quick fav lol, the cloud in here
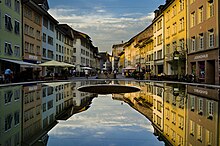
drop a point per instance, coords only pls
(104, 28)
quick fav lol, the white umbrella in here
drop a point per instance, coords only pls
(54, 63)
(67, 64)
(86, 68)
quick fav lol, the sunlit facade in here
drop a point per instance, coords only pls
(174, 115)
(175, 37)
(158, 31)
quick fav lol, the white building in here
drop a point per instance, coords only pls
(158, 41)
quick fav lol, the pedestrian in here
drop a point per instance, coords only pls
(87, 73)
(8, 75)
(115, 73)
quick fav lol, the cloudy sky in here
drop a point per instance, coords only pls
(107, 22)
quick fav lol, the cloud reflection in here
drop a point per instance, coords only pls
(107, 120)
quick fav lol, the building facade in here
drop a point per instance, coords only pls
(158, 41)
(203, 40)
(175, 37)
(11, 32)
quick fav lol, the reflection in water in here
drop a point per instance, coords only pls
(178, 115)
(29, 111)
(181, 115)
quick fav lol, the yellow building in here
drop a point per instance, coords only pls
(174, 115)
(175, 37)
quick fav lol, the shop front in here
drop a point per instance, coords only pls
(204, 66)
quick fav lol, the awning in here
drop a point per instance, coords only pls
(21, 63)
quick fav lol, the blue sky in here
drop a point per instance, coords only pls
(107, 22)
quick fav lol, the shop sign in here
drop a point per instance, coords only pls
(204, 92)
(203, 56)
(32, 57)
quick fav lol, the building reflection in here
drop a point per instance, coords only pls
(10, 115)
(203, 118)
(29, 112)
(181, 115)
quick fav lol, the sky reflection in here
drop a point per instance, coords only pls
(107, 122)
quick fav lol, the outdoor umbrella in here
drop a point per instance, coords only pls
(86, 68)
(54, 63)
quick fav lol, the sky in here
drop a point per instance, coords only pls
(107, 22)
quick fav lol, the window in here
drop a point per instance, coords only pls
(168, 15)
(210, 110)
(200, 106)
(159, 39)
(192, 102)
(44, 37)
(16, 118)
(8, 49)
(50, 40)
(8, 122)
(17, 27)
(44, 52)
(210, 8)
(49, 104)
(8, 3)
(174, 28)
(181, 5)
(38, 34)
(26, 28)
(17, 6)
(211, 38)
(38, 50)
(28, 13)
(201, 41)
(159, 25)
(31, 49)
(37, 19)
(200, 15)
(45, 22)
(181, 122)
(192, 19)
(17, 51)
(192, 128)
(181, 24)
(199, 133)
(8, 24)
(209, 137)
(31, 31)
(50, 54)
(51, 26)
(181, 44)
(174, 10)
(193, 44)
(173, 115)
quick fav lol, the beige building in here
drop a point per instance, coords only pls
(202, 116)
(203, 40)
